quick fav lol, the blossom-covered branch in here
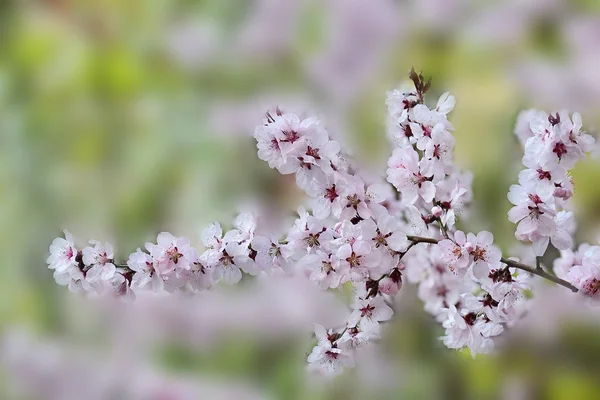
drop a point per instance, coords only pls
(360, 227)
(511, 263)
(170, 264)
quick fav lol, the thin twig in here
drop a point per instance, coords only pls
(511, 263)
(443, 228)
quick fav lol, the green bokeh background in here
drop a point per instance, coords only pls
(103, 133)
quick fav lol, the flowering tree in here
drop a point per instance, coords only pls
(368, 234)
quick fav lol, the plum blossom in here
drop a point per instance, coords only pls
(212, 236)
(63, 253)
(439, 149)
(145, 273)
(100, 259)
(453, 206)
(553, 144)
(386, 233)
(271, 254)
(326, 357)
(74, 278)
(424, 121)
(323, 268)
(569, 258)
(358, 201)
(534, 215)
(356, 337)
(280, 139)
(368, 313)
(582, 269)
(410, 176)
(356, 261)
(307, 234)
(466, 329)
(454, 253)
(484, 255)
(173, 255)
(330, 196)
(399, 103)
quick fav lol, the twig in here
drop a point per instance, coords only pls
(511, 263)
(443, 228)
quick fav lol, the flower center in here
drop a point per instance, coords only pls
(470, 318)
(312, 240)
(543, 174)
(174, 254)
(591, 286)
(380, 239)
(331, 193)
(367, 311)
(353, 260)
(327, 267)
(560, 149)
(274, 251)
(426, 131)
(478, 254)
(290, 136)
(535, 199)
(353, 201)
(488, 301)
(314, 153)
(68, 253)
(226, 259)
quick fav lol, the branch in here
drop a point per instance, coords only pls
(510, 263)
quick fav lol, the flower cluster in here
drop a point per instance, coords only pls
(582, 269)
(461, 279)
(357, 234)
(480, 314)
(349, 238)
(553, 145)
(421, 167)
(365, 234)
(168, 265)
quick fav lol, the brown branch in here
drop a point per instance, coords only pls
(511, 263)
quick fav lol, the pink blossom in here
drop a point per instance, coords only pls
(406, 174)
(63, 253)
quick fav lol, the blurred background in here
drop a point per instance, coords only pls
(121, 119)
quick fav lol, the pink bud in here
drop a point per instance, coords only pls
(559, 192)
(437, 211)
(388, 286)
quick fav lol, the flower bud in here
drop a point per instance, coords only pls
(388, 286)
(560, 192)
(437, 211)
